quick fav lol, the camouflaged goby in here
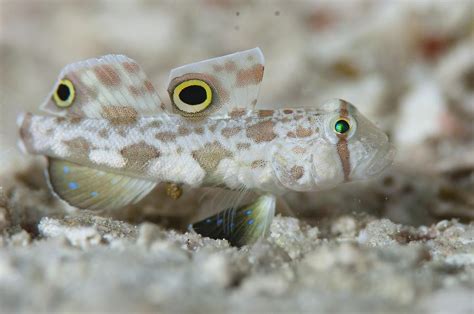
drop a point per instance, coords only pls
(109, 139)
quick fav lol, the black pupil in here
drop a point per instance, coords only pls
(342, 126)
(193, 95)
(63, 92)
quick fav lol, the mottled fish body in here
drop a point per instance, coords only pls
(109, 139)
(235, 151)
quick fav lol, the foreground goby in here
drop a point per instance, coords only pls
(109, 139)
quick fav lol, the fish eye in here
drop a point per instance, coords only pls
(64, 94)
(342, 126)
(192, 96)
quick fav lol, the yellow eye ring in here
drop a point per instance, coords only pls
(192, 96)
(64, 94)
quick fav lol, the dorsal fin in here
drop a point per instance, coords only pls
(111, 85)
(217, 86)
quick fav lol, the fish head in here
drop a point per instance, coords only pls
(347, 147)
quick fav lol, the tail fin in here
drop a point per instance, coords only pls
(88, 188)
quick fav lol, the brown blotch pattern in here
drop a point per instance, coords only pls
(183, 131)
(76, 120)
(136, 155)
(237, 113)
(79, 147)
(217, 68)
(299, 150)
(287, 111)
(228, 132)
(107, 75)
(262, 131)
(258, 164)
(250, 76)
(131, 67)
(243, 146)
(230, 66)
(120, 114)
(154, 124)
(122, 130)
(59, 120)
(210, 155)
(199, 130)
(166, 136)
(265, 113)
(303, 132)
(134, 91)
(291, 134)
(298, 117)
(149, 86)
(213, 127)
(104, 133)
(297, 172)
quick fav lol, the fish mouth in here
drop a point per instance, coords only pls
(381, 160)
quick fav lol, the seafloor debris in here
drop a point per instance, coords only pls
(296, 267)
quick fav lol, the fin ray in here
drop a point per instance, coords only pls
(234, 80)
(240, 226)
(111, 80)
(88, 188)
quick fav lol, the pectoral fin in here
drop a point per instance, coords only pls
(240, 226)
(93, 189)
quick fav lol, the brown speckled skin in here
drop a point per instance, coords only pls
(267, 150)
(161, 148)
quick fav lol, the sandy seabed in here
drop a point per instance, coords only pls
(402, 243)
(353, 264)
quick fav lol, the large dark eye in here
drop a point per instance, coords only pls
(342, 126)
(64, 94)
(192, 96)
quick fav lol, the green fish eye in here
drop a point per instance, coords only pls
(342, 126)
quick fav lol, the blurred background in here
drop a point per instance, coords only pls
(407, 65)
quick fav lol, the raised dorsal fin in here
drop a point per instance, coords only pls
(113, 86)
(217, 86)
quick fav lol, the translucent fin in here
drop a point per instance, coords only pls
(94, 87)
(241, 226)
(87, 188)
(233, 79)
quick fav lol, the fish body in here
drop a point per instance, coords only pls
(109, 139)
(267, 150)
